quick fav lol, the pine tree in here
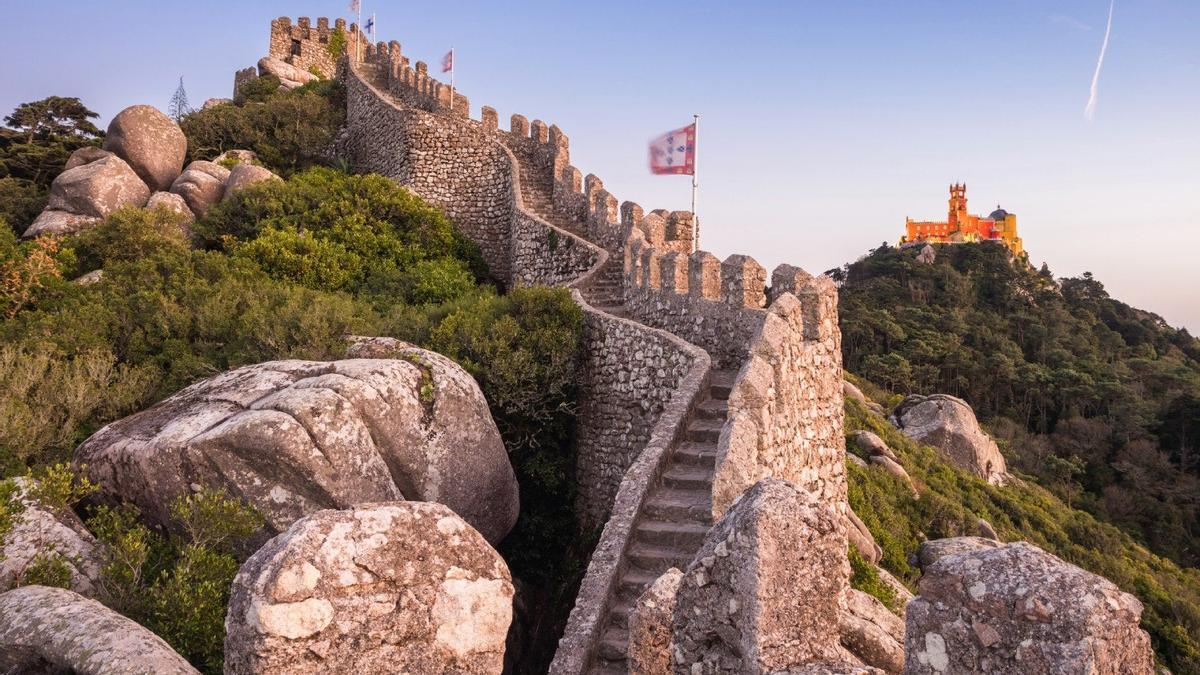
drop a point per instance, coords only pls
(179, 103)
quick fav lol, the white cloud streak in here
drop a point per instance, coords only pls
(1089, 111)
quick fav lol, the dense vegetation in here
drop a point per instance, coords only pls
(33, 149)
(952, 500)
(1098, 400)
(284, 270)
(289, 130)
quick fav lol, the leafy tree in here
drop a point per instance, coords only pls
(54, 117)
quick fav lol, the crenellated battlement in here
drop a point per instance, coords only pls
(660, 317)
(311, 47)
(412, 83)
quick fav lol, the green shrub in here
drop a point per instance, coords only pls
(177, 587)
(289, 130)
(364, 235)
(865, 577)
(21, 200)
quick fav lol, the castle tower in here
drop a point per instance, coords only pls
(958, 203)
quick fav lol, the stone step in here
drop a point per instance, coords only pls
(721, 383)
(702, 454)
(606, 667)
(658, 558)
(680, 505)
(633, 582)
(613, 644)
(713, 409)
(687, 534)
(704, 430)
(619, 613)
(690, 476)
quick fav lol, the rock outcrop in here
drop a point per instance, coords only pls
(650, 626)
(893, 467)
(53, 630)
(174, 203)
(82, 196)
(294, 437)
(948, 424)
(936, 549)
(861, 538)
(150, 142)
(1016, 609)
(383, 588)
(870, 443)
(289, 76)
(872, 633)
(236, 157)
(85, 155)
(741, 607)
(243, 175)
(39, 530)
(201, 185)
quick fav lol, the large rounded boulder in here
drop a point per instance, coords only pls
(83, 195)
(151, 142)
(39, 530)
(53, 630)
(295, 437)
(383, 588)
(949, 425)
(1015, 608)
(201, 185)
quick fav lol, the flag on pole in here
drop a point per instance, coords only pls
(355, 6)
(370, 27)
(448, 62)
(674, 152)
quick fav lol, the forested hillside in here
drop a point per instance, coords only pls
(1097, 400)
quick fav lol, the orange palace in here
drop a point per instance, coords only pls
(962, 227)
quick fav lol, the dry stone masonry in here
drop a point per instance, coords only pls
(669, 333)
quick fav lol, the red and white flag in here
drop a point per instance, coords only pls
(448, 62)
(674, 152)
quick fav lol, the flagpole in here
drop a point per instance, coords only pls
(453, 67)
(695, 180)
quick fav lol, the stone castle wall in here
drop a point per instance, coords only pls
(642, 376)
(306, 46)
(449, 162)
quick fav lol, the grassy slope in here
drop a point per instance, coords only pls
(952, 500)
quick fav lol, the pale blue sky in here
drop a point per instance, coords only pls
(824, 124)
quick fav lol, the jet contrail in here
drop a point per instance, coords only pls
(1090, 110)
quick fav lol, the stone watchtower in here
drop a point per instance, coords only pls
(314, 49)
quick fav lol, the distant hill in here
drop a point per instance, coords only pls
(1096, 400)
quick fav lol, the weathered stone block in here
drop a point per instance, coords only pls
(704, 276)
(1017, 609)
(743, 281)
(763, 592)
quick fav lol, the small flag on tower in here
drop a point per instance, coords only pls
(448, 61)
(674, 152)
(370, 27)
(355, 6)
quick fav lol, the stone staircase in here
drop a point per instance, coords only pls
(678, 511)
(669, 530)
